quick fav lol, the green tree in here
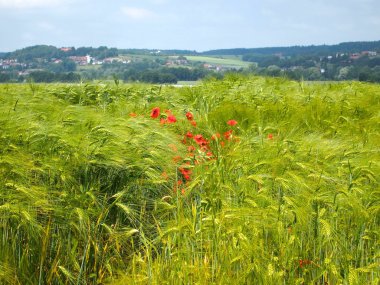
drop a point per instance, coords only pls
(5, 77)
(273, 70)
(42, 76)
(343, 73)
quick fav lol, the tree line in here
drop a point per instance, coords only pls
(308, 67)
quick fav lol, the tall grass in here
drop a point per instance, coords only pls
(90, 193)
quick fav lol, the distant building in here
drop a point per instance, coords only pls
(113, 59)
(81, 60)
(355, 56)
(66, 49)
(369, 53)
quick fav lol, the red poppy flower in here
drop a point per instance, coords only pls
(189, 135)
(132, 115)
(200, 140)
(303, 262)
(189, 116)
(171, 119)
(228, 135)
(163, 121)
(155, 112)
(194, 123)
(185, 172)
(270, 136)
(232, 122)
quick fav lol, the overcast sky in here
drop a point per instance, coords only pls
(194, 24)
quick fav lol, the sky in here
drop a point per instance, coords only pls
(199, 25)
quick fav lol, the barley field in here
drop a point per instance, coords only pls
(245, 180)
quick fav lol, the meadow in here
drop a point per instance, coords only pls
(226, 61)
(245, 180)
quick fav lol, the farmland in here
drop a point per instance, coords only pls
(245, 180)
(230, 62)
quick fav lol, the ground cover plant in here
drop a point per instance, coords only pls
(246, 180)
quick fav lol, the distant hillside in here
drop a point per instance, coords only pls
(47, 52)
(348, 47)
(29, 53)
(45, 63)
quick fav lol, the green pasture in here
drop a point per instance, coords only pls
(227, 62)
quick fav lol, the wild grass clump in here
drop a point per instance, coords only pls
(247, 180)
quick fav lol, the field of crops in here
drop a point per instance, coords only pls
(230, 62)
(248, 180)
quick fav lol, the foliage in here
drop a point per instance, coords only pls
(47, 52)
(246, 180)
(301, 50)
(46, 76)
(316, 63)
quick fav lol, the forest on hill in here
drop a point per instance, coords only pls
(347, 47)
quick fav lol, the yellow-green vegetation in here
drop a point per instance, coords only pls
(256, 181)
(227, 62)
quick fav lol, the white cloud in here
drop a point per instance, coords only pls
(137, 13)
(24, 4)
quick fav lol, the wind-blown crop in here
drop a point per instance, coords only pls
(247, 180)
